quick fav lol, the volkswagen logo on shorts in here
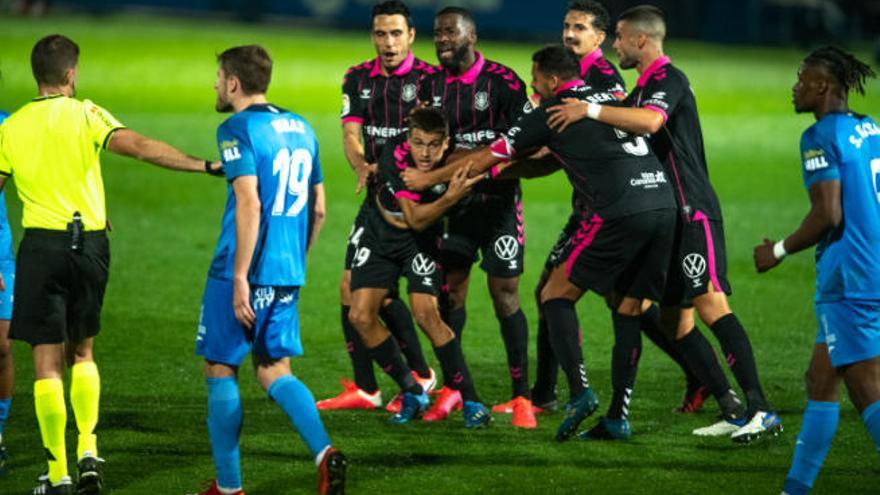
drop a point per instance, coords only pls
(423, 265)
(506, 247)
(694, 265)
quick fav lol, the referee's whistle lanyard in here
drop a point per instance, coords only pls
(75, 229)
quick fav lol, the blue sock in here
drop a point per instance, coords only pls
(224, 426)
(298, 403)
(5, 404)
(871, 417)
(813, 442)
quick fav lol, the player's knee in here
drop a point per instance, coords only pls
(5, 352)
(628, 306)
(821, 385)
(505, 297)
(613, 300)
(711, 307)
(361, 319)
(426, 316)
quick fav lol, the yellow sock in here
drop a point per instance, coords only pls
(52, 416)
(85, 393)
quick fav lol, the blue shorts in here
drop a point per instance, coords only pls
(7, 270)
(851, 330)
(222, 339)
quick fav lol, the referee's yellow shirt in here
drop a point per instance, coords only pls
(51, 148)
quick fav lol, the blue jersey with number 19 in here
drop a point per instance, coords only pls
(846, 147)
(281, 150)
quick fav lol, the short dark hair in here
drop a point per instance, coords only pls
(601, 19)
(850, 72)
(52, 57)
(393, 7)
(647, 19)
(428, 119)
(252, 66)
(466, 15)
(558, 60)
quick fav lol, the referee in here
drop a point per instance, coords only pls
(51, 147)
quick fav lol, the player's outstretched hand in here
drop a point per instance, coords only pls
(764, 258)
(570, 111)
(363, 174)
(415, 179)
(215, 168)
(241, 302)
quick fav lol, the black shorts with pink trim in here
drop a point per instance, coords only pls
(559, 249)
(699, 261)
(385, 254)
(494, 228)
(627, 254)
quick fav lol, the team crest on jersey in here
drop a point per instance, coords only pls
(506, 247)
(408, 93)
(694, 265)
(346, 105)
(481, 101)
(423, 265)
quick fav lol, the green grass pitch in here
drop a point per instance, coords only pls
(156, 75)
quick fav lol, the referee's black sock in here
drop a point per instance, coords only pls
(624, 363)
(653, 329)
(387, 355)
(562, 323)
(738, 352)
(361, 364)
(455, 371)
(400, 323)
(547, 367)
(515, 332)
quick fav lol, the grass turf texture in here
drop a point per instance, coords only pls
(156, 76)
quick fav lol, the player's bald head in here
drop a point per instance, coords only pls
(646, 19)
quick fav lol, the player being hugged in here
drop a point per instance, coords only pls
(841, 171)
(401, 238)
(271, 161)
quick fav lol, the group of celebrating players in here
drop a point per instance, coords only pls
(440, 151)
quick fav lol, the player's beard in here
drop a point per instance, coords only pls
(627, 62)
(455, 62)
(222, 106)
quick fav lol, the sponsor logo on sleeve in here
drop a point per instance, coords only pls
(229, 150)
(346, 105)
(814, 160)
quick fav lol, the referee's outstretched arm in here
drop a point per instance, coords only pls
(129, 143)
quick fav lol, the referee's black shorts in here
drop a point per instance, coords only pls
(59, 291)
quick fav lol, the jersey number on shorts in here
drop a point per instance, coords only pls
(294, 169)
(875, 172)
(637, 146)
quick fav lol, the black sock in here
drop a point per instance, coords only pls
(624, 363)
(738, 352)
(515, 332)
(562, 323)
(547, 367)
(455, 371)
(400, 323)
(387, 356)
(650, 324)
(455, 319)
(361, 364)
(698, 352)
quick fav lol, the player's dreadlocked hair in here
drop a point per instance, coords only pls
(849, 71)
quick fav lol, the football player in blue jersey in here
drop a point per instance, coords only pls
(841, 172)
(7, 283)
(270, 157)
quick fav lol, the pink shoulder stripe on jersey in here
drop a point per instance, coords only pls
(589, 59)
(470, 75)
(710, 250)
(401, 70)
(658, 110)
(353, 118)
(574, 83)
(654, 67)
(584, 237)
(407, 195)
